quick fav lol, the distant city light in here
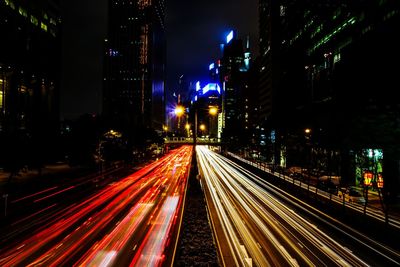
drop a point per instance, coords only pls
(198, 87)
(213, 111)
(179, 110)
(229, 37)
(212, 65)
(211, 87)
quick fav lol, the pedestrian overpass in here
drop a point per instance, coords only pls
(190, 141)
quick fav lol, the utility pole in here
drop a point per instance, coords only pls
(195, 128)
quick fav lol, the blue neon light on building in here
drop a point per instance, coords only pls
(229, 37)
(211, 87)
(212, 66)
(198, 87)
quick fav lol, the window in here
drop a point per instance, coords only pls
(10, 3)
(43, 26)
(22, 12)
(282, 11)
(336, 58)
(34, 21)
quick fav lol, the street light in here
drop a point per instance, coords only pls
(213, 111)
(187, 126)
(179, 111)
(308, 144)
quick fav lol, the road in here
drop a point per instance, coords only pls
(372, 210)
(258, 224)
(130, 222)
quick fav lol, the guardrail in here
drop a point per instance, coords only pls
(369, 211)
(189, 140)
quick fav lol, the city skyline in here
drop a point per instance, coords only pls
(86, 27)
(154, 133)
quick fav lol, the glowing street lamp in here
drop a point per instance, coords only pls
(202, 127)
(307, 131)
(179, 111)
(213, 111)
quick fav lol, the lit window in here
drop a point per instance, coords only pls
(336, 58)
(10, 4)
(43, 26)
(22, 12)
(34, 21)
(282, 11)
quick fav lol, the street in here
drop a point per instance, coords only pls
(261, 224)
(130, 222)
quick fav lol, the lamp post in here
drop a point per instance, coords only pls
(307, 132)
(180, 110)
(195, 128)
(187, 127)
(213, 110)
(213, 121)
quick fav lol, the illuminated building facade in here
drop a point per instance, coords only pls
(207, 97)
(328, 67)
(268, 68)
(29, 68)
(133, 95)
(233, 72)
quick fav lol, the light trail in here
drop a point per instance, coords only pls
(35, 194)
(251, 215)
(96, 231)
(372, 212)
(363, 240)
(151, 251)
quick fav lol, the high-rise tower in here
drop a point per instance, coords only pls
(30, 53)
(134, 76)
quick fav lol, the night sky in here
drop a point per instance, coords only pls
(194, 31)
(196, 28)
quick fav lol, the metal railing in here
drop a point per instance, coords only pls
(373, 212)
(189, 140)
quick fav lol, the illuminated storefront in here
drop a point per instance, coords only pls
(369, 168)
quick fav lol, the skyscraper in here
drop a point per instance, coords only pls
(327, 66)
(133, 95)
(234, 77)
(29, 70)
